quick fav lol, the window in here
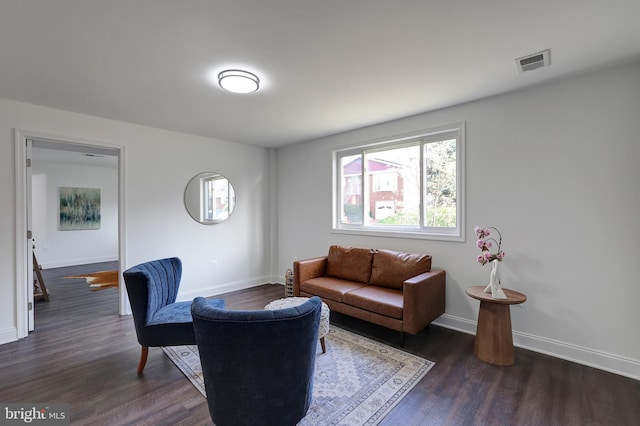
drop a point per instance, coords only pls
(217, 199)
(410, 186)
(385, 181)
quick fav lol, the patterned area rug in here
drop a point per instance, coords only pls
(357, 381)
(99, 280)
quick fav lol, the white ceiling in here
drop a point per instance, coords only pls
(326, 66)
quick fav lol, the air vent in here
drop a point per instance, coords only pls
(532, 62)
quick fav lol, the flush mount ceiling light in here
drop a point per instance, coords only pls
(238, 81)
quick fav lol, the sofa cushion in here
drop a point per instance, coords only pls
(329, 288)
(381, 300)
(391, 268)
(350, 263)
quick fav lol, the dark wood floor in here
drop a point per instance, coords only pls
(84, 354)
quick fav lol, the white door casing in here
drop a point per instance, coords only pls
(29, 236)
(24, 245)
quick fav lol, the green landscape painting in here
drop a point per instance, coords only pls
(79, 208)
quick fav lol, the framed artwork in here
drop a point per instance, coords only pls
(79, 208)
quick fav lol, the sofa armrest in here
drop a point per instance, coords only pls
(423, 300)
(304, 270)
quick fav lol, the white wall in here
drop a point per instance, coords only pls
(555, 168)
(55, 248)
(157, 166)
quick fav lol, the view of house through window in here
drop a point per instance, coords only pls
(411, 185)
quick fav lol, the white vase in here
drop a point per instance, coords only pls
(494, 286)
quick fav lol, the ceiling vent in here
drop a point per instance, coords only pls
(532, 62)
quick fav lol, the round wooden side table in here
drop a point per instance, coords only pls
(494, 338)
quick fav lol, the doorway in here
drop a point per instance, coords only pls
(37, 149)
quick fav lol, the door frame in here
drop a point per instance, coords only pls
(21, 241)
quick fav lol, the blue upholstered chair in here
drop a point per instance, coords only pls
(159, 320)
(258, 365)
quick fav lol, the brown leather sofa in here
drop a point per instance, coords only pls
(392, 289)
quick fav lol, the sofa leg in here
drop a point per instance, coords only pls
(144, 353)
(402, 333)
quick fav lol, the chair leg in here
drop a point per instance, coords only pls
(143, 358)
(324, 348)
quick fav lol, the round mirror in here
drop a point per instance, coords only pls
(209, 198)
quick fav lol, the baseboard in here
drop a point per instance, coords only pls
(8, 335)
(597, 359)
(76, 262)
(224, 288)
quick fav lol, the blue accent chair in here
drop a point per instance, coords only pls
(159, 320)
(257, 365)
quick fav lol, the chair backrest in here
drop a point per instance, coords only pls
(150, 286)
(257, 365)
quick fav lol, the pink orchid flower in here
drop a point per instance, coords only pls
(486, 244)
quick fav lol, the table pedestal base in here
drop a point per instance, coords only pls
(494, 339)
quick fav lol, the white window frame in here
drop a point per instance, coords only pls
(456, 233)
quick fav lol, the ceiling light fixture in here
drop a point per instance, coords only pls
(238, 81)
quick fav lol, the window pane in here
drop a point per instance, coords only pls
(351, 178)
(392, 192)
(440, 188)
(221, 200)
(217, 199)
